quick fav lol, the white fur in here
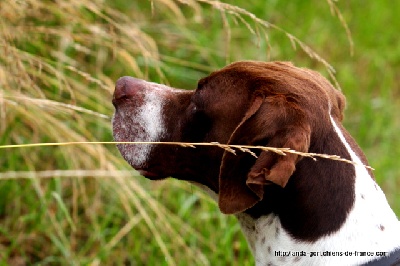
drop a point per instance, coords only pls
(149, 117)
(145, 124)
(361, 232)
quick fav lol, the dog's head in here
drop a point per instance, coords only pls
(248, 103)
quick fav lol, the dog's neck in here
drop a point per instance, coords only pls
(370, 227)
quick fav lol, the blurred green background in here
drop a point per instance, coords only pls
(76, 204)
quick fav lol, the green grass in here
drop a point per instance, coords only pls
(58, 65)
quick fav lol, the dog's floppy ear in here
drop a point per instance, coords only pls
(275, 121)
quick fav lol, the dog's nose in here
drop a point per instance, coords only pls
(128, 87)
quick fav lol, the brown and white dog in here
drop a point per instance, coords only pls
(292, 210)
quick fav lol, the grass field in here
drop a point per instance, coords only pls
(82, 204)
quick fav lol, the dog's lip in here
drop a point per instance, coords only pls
(149, 174)
(146, 173)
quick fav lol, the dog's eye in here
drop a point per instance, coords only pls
(196, 124)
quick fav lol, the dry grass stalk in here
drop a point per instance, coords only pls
(227, 147)
(240, 13)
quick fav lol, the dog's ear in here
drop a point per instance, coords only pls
(274, 121)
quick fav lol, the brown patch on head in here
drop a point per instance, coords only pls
(286, 106)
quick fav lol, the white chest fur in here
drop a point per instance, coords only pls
(371, 226)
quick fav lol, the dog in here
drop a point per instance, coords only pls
(293, 210)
